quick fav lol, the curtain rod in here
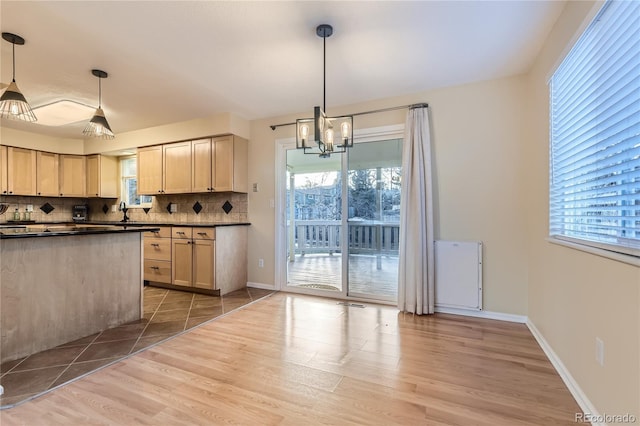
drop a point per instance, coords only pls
(411, 106)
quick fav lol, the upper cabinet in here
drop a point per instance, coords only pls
(204, 165)
(73, 179)
(102, 176)
(219, 164)
(21, 171)
(47, 170)
(149, 169)
(177, 168)
(3, 170)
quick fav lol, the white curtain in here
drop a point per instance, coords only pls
(416, 259)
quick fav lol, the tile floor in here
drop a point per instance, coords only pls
(166, 313)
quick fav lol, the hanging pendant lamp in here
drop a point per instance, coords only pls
(13, 104)
(98, 126)
(322, 135)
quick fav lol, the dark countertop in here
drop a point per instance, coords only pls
(57, 230)
(190, 225)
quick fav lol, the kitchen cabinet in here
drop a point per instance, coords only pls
(21, 171)
(102, 176)
(149, 170)
(220, 164)
(73, 176)
(193, 257)
(157, 255)
(177, 168)
(3, 170)
(47, 170)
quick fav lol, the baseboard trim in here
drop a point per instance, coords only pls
(567, 378)
(500, 316)
(260, 285)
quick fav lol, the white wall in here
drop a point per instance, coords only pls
(479, 166)
(19, 138)
(575, 296)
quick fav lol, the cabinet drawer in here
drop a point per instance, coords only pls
(164, 232)
(157, 248)
(204, 233)
(181, 232)
(157, 270)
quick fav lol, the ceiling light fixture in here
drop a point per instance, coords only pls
(13, 104)
(98, 127)
(330, 134)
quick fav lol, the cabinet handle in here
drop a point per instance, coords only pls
(155, 267)
(202, 233)
(10, 192)
(155, 244)
(180, 232)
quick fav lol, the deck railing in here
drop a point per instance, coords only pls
(365, 237)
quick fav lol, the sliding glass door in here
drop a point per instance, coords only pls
(342, 221)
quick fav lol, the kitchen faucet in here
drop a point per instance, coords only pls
(123, 208)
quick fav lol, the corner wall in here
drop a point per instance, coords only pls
(575, 296)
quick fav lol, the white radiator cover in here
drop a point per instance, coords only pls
(458, 274)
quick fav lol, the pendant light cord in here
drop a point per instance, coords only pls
(14, 61)
(99, 92)
(324, 72)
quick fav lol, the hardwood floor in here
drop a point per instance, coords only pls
(293, 360)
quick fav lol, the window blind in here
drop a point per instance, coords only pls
(595, 134)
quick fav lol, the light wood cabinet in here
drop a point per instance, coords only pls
(201, 165)
(193, 257)
(102, 176)
(149, 170)
(220, 164)
(157, 256)
(21, 171)
(3, 170)
(73, 181)
(47, 174)
(177, 168)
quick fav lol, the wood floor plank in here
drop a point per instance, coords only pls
(292, 360)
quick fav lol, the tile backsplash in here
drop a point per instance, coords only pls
(211, 208)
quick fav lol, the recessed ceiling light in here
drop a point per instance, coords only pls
(63, 112)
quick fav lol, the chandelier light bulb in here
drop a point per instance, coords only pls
(345, 129)
(304, 132)
(329, 139)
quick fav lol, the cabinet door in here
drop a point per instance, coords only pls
(73, 177)
(181, 262)
(223, 164)
(21, 171)
(47, 170)
(201, 159)
(230, 164)
(149, 169)
(177, 168)
(102, 176)
(93, 176)
(3, 170)
(203, 264)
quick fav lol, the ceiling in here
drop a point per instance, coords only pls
(171, 61)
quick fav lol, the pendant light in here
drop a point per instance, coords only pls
(98, 127)
(13, 104)
(329, 135)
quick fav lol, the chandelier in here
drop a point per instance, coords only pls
(98, 126)
(13, 104)
(323, 135)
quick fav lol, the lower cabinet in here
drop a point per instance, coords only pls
(157, 255)
(193, 257)
(197, 257)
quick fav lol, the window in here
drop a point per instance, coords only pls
(129, 189)
(595, 134)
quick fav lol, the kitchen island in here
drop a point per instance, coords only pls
(59, 284)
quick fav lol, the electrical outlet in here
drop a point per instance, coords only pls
(260, 263)
(173, 208)
(114, 209)
(600, 351)
(272, 203)
(29, 207)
